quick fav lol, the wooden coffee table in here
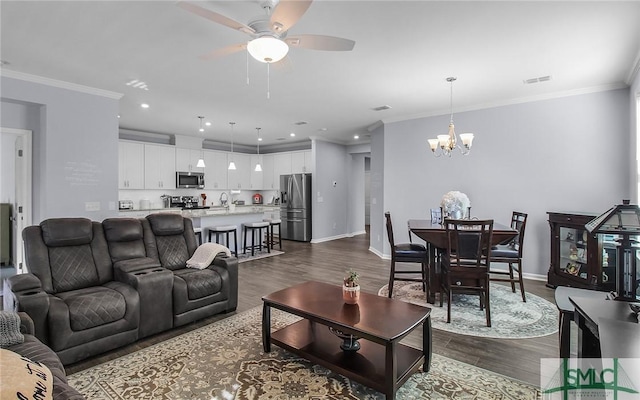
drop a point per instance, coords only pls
(381, 362)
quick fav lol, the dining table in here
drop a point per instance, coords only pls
(435, 236)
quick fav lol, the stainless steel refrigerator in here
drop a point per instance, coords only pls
(295, 206)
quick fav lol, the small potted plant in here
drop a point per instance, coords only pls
(351, 288)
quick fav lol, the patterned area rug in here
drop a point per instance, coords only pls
(224, 360)
(257, 255)
(511, 318)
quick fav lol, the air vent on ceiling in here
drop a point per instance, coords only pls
(137, 84)
(381, 108)
(536, 80)
(300, 123)
(281, 138)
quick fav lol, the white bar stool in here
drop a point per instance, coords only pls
(226, 230)
(253, 227)
(272, 224)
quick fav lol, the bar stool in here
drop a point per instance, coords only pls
(253, 227)
(226, 230)
(198, 232)
(272, 224)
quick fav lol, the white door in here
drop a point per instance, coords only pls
(20, 193)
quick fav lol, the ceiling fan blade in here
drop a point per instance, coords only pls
(320, 42)
(215, 17)
(287, 13)
(225, 51)
(284, 65)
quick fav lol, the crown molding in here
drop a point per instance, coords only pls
(635, 70)
(520, 100)
(59, 84)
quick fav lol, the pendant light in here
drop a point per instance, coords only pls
(258, 166)
(232, 165)
(200, 163)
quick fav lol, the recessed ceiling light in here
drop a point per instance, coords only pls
(207, 123)
(144, 105)
(118, 115)
(292, 134)
(381, 108)
(356, 137)
(259, 139)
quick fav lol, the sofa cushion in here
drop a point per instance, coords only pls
(200, 283)
(172, 251)
(72, 267)
(94, 306)
(23, 378)
(122, 229)
(166, 224)
(66, 231)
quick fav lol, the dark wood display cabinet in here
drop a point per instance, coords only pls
(579, 259)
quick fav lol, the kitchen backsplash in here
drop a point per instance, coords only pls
(213, 196)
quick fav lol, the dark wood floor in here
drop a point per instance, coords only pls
(326, 262)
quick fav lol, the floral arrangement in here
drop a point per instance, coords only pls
(455, 204)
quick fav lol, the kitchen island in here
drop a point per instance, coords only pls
(206, 217)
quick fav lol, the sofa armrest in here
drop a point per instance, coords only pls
(231, 265)
(26, 324)
(24, 293)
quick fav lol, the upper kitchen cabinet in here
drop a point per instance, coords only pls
(215, 170)
(130, 165)
(257, 177)
(159, 167)
(240, 178)
(301, 162)
(268, 177)
(281, 166)
(187, 159)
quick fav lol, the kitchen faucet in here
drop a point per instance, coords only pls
(223, 202)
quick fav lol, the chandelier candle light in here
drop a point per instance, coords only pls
(448, 142)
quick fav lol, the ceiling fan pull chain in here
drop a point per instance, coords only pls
(268, 86)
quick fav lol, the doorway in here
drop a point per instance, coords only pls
(16, 173)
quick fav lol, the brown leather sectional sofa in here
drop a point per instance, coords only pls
(93, 287)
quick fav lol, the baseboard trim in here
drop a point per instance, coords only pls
(328, 239)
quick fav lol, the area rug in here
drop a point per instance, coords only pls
(511, 318)
(224, 360)
(257, 255)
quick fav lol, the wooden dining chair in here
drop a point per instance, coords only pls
(406, 253)
(465, 264)
(511, 254)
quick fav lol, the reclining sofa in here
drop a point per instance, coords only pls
(93, 287)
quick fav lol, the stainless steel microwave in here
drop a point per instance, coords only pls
(190, 180)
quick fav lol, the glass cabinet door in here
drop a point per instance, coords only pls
(573, 252)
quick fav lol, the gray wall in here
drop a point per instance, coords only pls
(634, 132)
(330, 215)
(566, 154)
(356, 197)
(378, 235)
(75, 147)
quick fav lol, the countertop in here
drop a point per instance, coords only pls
(213, 211)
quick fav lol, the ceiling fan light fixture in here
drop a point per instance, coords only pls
(267, 49)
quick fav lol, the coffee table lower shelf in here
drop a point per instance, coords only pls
(315, 343)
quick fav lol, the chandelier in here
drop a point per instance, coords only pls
(447, 143)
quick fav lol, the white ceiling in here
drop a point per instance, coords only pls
(404, 51)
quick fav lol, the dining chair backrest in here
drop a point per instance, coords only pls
(518, 222)
(469, 242)
(387, 216)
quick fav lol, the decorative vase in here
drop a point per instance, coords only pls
(351, 294)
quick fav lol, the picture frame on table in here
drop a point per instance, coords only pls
(436, 215)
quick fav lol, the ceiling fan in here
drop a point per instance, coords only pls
(269, 34)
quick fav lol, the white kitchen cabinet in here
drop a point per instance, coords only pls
(268, 177)
(240, 178)
(130, 165)
(281, 166)
(187, 159)
(257, 177)
(215, 171)
(159, 167)
(301, 162)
